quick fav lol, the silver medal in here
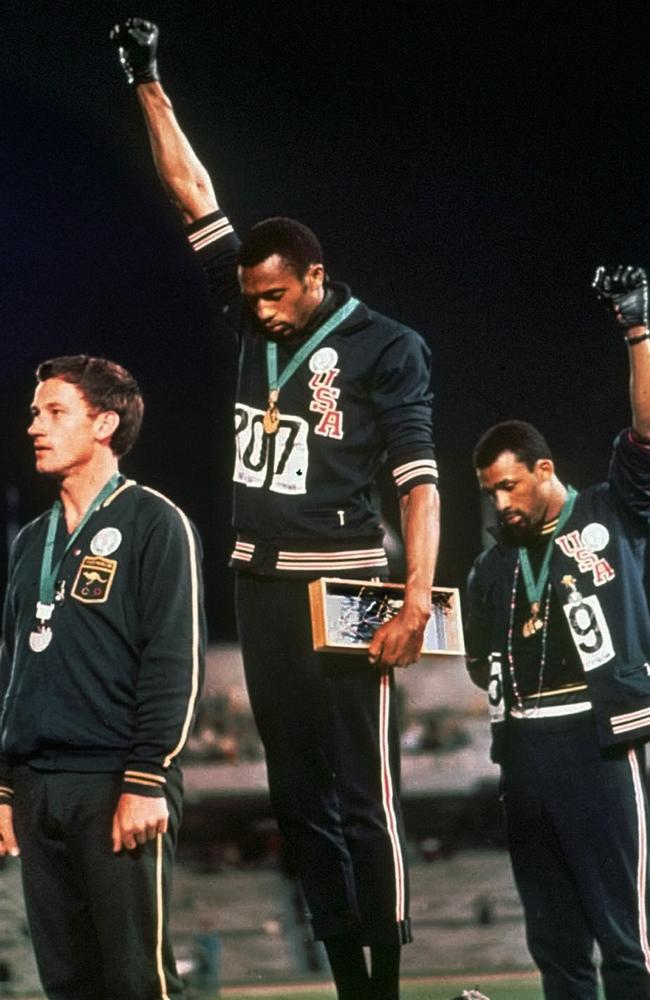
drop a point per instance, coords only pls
(40, 639)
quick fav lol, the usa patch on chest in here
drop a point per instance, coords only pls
(94, 580)
(325, 401)
(583, 547)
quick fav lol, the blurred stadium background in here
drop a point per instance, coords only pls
(239, 922)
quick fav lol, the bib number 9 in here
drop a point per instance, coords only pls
(589, 631)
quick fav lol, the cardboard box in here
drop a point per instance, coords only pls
(346, 613)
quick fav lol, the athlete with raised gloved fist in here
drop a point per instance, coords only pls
(558, 631)
(625, 291)
(137, 43)
(327, 388)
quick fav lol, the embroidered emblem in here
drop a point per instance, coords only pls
(94, 579)
(106, 541)
(324, 400)
(572, 545)
(323, 360)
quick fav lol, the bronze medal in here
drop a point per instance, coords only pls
(271, 419)
(534, 623)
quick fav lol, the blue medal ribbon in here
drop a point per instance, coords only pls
(276, 382)
(535, 587)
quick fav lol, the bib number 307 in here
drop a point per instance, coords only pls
(276, 461)
(589, 631)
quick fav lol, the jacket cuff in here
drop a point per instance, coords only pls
(140, 781)
(413, 469)
(6, 784)
(209, 230)
(6, 795)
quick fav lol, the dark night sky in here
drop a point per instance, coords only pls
(466, 166)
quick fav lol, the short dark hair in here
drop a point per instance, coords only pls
(524, 440)
(289, 239)
(106, 386)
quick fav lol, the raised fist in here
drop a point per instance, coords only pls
(137, 43)
(625, 291)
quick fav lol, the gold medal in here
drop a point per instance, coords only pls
(271, 419)
(534, 623)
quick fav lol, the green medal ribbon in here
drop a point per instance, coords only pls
(535, 587)
(49, 572)
(276, 382)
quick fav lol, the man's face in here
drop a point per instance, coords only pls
(282, 302)
(64, 430)
(520, 495)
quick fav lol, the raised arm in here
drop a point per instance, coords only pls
(625, 291)
(182, 175)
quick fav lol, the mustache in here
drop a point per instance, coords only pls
(505, 516)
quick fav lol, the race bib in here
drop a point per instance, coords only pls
(589, 631)
(277, 461)
(495, 689)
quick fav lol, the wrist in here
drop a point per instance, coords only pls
(418, 609)
(145, 76)
(636, 335)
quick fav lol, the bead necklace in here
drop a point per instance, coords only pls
(542, 659)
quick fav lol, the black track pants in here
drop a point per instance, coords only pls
(329, 728)
(98, 920)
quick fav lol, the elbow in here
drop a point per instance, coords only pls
(425, 496)
(192, 197)
(479, 672)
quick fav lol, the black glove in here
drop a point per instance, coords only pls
(625, 291)
(137, 43)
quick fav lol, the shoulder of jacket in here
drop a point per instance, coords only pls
(389, 327)
(143, 501)
(488, 561)
(597, 495)
(156, 502)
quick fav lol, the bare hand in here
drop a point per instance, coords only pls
(398, 642)
(8, 843)
(137, 819)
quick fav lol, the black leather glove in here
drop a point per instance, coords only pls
(625, 291)
(137, 44)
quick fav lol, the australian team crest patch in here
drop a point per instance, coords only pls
(94, 579)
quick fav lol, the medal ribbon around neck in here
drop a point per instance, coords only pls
(49, 572)
(276, 382)
(535, 587)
